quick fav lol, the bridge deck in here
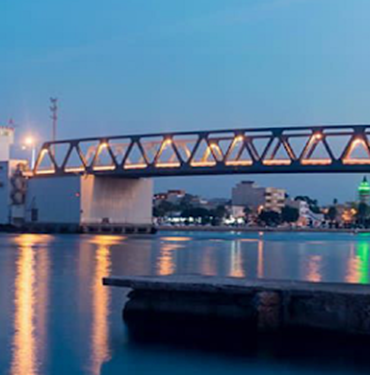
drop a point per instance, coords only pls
(315, 149)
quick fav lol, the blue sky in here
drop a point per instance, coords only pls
(157, 65)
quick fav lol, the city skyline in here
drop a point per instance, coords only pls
(263, 182)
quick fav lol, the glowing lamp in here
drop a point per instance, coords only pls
(29, 141)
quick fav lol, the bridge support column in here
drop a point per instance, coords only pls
(109, 203)
(94, 204)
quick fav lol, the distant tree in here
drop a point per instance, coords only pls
(312, 203)
(163, 209)
(332, 213)
(185, 202)
(289, 214)
(270, 218)
(155, 212)
(247, 211)
(201, 213)
(335, 201)
(218, 214)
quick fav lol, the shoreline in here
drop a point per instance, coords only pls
(164, 228)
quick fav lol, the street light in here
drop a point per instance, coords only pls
(29, 143)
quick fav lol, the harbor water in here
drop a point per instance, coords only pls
(57, 318)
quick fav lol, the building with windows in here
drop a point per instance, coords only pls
(12, 191)
(274, 199)
(6, 141)
(12, 181)
(249, 194)
(307, 218)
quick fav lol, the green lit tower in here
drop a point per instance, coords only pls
(364, 191)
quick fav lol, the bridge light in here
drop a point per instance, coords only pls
(318, 136)
(357, 141)
(103, 145)
(29, 141)
(239, 138)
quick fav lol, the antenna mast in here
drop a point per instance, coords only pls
(54, 117)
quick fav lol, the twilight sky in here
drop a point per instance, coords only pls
(157, 65)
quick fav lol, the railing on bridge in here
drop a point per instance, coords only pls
(299, 149)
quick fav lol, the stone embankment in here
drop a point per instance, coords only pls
(265, 305)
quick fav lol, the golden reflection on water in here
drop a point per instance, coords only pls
(176, 239)
(260, 260)
(42, 300)
(209, 263)
(314, 268)
(30, 303)
(352, 274)
(166, 264)
(106, 240)
(100, 352)
(236, 261)
(24, 344)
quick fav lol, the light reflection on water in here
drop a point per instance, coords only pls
(30, 304)
(64, 321)
(314, 268)
(100, 302)
(24, 344)
(236, 261)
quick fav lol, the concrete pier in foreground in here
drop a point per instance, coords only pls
(266, 305)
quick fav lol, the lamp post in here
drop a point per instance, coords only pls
(29, 143)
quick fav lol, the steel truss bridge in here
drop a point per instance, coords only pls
(313, 149)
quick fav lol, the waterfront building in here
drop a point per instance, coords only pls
(348, 213)
(216, 202)
(237, 212)
(12, 191)
(249, 194)
(178, 197)
(364, 191)
(6, 141)
(12, 181)
(174, 196)
(306, 216)
(171, 196)
(274, 199)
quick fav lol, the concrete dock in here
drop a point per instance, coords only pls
(263, 305)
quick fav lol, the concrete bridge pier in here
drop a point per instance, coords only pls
(90, 204)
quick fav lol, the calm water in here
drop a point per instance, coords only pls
(56, 318)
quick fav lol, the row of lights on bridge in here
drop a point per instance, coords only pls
(317, 136)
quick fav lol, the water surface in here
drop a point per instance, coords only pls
(57, 318)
